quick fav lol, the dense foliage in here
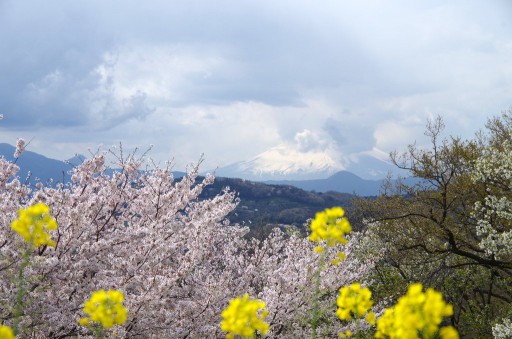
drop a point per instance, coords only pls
(262, 204)
(451, 230)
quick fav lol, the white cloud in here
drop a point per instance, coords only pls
(308, 141)
(394, 135)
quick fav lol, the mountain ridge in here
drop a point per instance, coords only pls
(35, 166)
(342, 181)
(283, 163)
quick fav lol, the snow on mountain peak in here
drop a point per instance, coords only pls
(287, 162)
(309, 156)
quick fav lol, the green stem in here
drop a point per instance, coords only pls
(20, 294)
(98, 332)
(316, 310)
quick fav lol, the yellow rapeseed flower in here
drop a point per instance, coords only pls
(244, 316)
(330, 226)
(105, 308)
(354, 302)
(370, 318)
(449, 332)
(340, 256)
(33, 224)
(6, 332)
(416, 315)
(346, 334)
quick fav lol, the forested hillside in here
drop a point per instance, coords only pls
(261, 204)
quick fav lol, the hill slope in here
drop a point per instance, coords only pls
(263, 204)
(342, 181)
(39, 166)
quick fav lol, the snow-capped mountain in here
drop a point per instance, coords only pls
(288, 163)
(282, 162)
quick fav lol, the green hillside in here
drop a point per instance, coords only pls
(263, 204)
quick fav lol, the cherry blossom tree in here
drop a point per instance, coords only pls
(176, 258)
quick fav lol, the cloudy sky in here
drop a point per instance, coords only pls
(232, 79)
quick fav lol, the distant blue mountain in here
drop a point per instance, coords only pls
(44, 169)
(342, 181)
(39, 166)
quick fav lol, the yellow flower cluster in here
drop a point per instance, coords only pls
(416, 315)
(330, 226)
(105, 308)
(346, 334)
(354, 301)
(33, 224)
(6, 332)
(243, 317)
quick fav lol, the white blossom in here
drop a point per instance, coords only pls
(503, 330)
(494, 213)
(20, 147)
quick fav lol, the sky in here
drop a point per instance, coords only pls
(235, 79)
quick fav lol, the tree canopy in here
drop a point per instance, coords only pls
(451, 229)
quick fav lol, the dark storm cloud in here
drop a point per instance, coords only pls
(275, 55)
